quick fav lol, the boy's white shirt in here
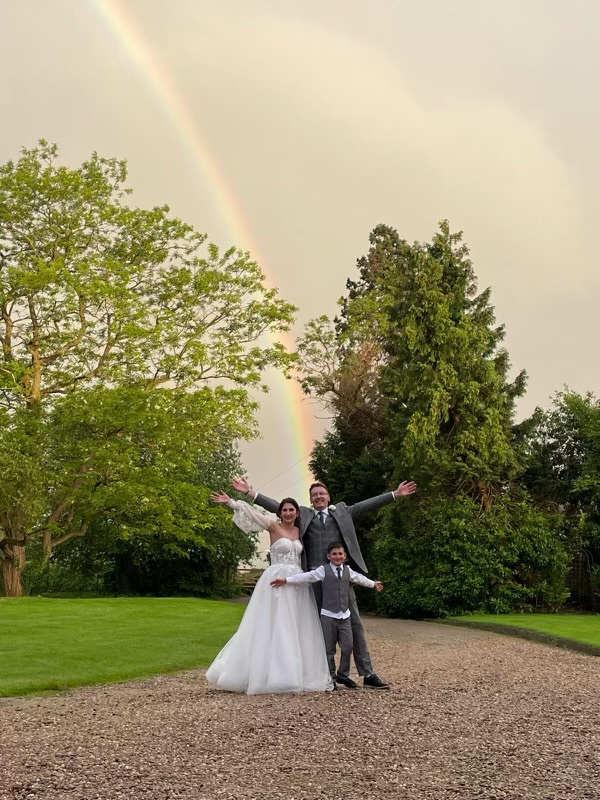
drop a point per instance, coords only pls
(318, 574)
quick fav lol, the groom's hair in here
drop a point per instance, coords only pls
(314, 486)
(335, 545)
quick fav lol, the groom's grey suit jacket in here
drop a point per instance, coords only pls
(344, 517)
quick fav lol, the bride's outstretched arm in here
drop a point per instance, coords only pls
(244, 516)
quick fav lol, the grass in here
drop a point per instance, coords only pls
(49, 644)
(581, 628)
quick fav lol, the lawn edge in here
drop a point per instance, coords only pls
(48, 691)
(526, 633)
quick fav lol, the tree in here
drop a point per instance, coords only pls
(96, 295)
(167, 545)
(341, 365)
(451, 401)
(441, 406)
(562, 447)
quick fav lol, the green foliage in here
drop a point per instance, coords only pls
(91, 289)
(144, 498)
(353, 469)
(128, 345)
(341, 365)
(452, 405)
(562, 446)
(418, 382)
(447, 556)
(563, 451)
(595, 586)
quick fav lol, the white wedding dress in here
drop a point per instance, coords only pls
(279, 644)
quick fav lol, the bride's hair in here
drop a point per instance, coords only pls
(292, 502)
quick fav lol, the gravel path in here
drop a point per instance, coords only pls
(470, 715)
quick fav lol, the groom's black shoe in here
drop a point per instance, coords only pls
(347, 682)
(374, 682)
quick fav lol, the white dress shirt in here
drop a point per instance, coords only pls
(318, 574)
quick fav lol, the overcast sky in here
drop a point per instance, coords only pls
(324, 119)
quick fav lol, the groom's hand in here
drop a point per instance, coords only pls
(405, 488)
(241, 485)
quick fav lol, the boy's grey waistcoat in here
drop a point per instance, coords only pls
(336, 591)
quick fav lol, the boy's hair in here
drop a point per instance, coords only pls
(335, 545)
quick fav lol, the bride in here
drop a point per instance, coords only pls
(279, 645)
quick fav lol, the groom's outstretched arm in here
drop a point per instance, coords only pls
(405, 489)
(242, 485)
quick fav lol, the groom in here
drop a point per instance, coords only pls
(322, 524)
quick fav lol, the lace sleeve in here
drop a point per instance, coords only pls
(247, 518)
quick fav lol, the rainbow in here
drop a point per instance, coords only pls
(123, 27)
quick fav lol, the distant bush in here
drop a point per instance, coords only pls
(449, 556)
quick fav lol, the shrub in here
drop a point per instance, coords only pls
(449, 556)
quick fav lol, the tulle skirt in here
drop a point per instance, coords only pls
(279, 644)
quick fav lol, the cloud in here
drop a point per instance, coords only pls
(334, 122)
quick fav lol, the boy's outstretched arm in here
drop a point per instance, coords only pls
(312, 576)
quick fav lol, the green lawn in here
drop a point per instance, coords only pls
(50, 644)
(583, 628)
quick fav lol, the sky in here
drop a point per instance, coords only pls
(291, 129)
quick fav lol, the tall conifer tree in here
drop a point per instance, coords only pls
(441, 404)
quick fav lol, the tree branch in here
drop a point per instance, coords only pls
(49, 359)
(62, 539)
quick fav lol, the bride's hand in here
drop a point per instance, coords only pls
(219, 497)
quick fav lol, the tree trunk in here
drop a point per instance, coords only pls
(12, 566)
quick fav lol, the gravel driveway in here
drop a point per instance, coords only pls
(470, 715)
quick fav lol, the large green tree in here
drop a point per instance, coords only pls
(447, 374)
(341, 365)
(160, 538)
(437, 407)
(99, 299)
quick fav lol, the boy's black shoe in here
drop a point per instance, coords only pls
(374, 682)
(347, 682)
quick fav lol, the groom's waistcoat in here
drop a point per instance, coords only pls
(317, 538)
(336, 590)
(343, 528)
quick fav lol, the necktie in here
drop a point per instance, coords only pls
(322, 517)
(339, 573)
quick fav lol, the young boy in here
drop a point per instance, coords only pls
(335, 614)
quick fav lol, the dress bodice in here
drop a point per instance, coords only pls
(284, 551)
